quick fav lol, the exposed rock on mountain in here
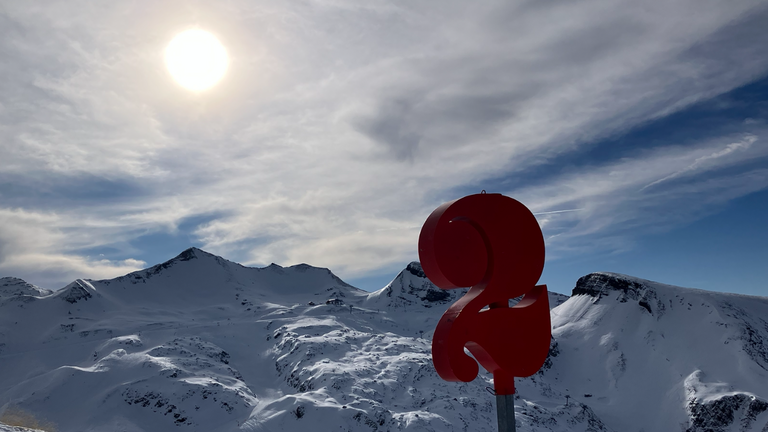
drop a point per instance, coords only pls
(79, 290)
(14, 287)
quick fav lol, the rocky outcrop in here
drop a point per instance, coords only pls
(14, 287)
(77, 291)
(599, 285)
(753, 333)
(720, 414)
(8, 428)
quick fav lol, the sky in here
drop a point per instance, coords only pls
(636, 131)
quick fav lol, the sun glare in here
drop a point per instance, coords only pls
(196, 59)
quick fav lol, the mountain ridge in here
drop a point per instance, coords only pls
(206, 345)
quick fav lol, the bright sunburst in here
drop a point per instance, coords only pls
(196, 59)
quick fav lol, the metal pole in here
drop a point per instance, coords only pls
(505, 412)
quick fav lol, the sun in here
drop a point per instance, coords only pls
(196, 59)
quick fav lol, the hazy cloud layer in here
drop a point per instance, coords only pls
(340, 126)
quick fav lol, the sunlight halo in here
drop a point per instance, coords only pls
(196, 59)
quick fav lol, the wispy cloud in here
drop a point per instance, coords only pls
(556, 212)
(707, 161)
(42, 247)
(615, 208)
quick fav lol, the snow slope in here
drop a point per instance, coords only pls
(658, 357)
(203, 344)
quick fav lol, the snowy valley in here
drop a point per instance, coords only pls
(200, 343)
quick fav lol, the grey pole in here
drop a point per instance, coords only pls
(505, 412)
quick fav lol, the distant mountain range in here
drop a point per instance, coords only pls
(200, 343)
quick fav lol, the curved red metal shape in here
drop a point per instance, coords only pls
(492, 243)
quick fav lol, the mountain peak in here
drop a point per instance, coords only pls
(414, 267)
(601, 284)
(195, 253)
(412, 287)
(79, 290)
(13, 286)
(188, 254)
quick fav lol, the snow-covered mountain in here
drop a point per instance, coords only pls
(11, 287)
(199, 343)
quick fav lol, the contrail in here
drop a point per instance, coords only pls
(557, 211)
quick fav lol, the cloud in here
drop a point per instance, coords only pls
(38, 248)
(339, 127)
(615, 208)
(703, 162)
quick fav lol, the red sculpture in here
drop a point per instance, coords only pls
(492, 243)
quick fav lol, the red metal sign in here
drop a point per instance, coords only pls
(492, 243)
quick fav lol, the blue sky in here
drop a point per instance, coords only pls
(635, 131)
